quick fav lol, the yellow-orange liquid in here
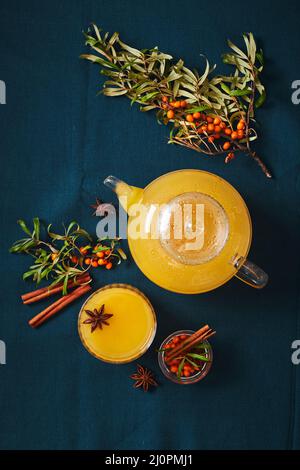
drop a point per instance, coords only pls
(194, 228)
(228, 233)
(131, 328)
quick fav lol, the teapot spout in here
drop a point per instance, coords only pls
(127, 195)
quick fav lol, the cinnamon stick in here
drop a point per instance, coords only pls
(196, 341)
(190, 338)
(58, 305)
(44, 292)
(196, 338)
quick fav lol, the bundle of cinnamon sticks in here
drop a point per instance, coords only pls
(193, 340)
(81, 286)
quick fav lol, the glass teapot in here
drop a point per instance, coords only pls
(189, 231)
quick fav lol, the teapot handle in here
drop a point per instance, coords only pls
(249, 273)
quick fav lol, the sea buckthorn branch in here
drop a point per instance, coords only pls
(211, 114)
(65, 256)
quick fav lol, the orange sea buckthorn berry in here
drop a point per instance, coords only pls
(218, 129)
(189, 118)
(183, 337)
(222, 125)
(209, 119)
(94, 264)
(211, 139)
(108, 266)
(54, 256)
(217, 136)
(164, 99)
(107, 252)
(217, 121)
(241, 125)
(227, 131)
(164, 106)
(177, 104)
(186, 373)
(226, 145)
(74, 259)
(101, 262)
(204, 128)
(100, 254)
(83, 250)
(170, 114)
(173, 369)
(210, 127)
(197, 115)
(87, 261)
(183, 104)
(240, 134)
(234, 135)
(172, 103)
(176, 339)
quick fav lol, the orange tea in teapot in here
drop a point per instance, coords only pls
(189, 231)
(193, 228)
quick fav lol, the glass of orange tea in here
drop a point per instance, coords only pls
(117, 323)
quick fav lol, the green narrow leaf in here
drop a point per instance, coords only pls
(36, 226)
(97, 31)
(206, 72)
(198, 356)
(65, 285)
(180, 368)
(252, 48)
(144, 109)
(236, 49)
(113, 39)
(244, 92)
(260, 57)
(193, 363)
(27, 274)
(134, 52)
(173, 76)
(225, 88)
(260, 100)
(114, 92)
(197, 109)
(121, 253)
(24, 227)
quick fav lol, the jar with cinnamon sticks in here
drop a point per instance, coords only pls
(185, 356)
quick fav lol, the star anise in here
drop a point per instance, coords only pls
(143, 378)
(96, 205)
(103, 208)
(97, 318)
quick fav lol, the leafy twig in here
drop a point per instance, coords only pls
(63, 256)
(183, 97)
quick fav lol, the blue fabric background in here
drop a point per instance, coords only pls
(58, 142)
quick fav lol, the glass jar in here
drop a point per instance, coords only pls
(196, 377)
